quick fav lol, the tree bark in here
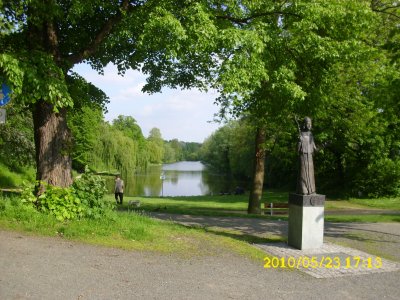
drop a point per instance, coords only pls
(258, 177)
(53, 144)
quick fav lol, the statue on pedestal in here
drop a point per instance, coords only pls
(306, 148)
(306, 207)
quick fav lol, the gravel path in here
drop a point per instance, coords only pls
(53, 268)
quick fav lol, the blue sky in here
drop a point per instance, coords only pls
(181, 114)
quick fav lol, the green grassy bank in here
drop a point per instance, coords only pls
(131, 231)
(134, 229)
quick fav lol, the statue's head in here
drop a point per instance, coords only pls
(307, 124)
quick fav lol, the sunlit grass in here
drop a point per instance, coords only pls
(381, 203)
(130, 231)
(216, 203)
(236, 205)
(9, 178)
(136, 230)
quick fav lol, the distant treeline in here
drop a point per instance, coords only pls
(361, 158)
(119, 146)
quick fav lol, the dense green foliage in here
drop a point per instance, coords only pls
(175, 150)
(16, 148)
(335, 61)
(42, 41)
(230, 149)
(16, 139)
(84, 199)
(121, 146)
(352, 167)
(155, 146)
(97, 144)
(271, 61)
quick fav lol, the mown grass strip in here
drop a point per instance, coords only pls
(236, 206)
(131, 231)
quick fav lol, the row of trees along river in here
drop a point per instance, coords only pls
(227, 156)
(119, 147)
(336, 61)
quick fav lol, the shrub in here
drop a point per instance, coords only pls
(62, 203)
(90, 189)
(381, 178)
(84, 199)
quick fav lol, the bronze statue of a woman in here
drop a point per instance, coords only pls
(306, 148)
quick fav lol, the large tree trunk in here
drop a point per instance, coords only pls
(52, 143)
(258, 177)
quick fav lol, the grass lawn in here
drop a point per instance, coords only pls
(380, 203)
(129, 229)
(136, 231)
(236, 205)
(209, 205)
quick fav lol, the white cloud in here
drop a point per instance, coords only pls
(181, 114)
(129, 94)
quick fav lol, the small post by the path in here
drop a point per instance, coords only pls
(306, 207)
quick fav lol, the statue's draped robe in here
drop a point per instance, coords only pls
(306, 181)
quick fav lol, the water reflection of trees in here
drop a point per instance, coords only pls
(173, 176)
(140, 184)
(149, 183)
(221, 183)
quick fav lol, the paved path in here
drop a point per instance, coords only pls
(53, 268)
(377, 240)
(374, 238)
(328, 261)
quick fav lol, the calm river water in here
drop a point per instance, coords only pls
(185, 178)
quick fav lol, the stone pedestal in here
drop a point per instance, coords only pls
(306, 221)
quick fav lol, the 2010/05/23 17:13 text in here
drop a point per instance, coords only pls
(349, 262)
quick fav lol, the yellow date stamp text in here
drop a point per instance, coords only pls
(327, 262)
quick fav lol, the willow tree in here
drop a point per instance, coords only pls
(155, 146)
(42, 40)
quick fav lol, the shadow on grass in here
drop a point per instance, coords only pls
(252, 239)
(367, 239)
(268, 196)
(233, 234)
(372, 218)
(212, 212)
(342, 229)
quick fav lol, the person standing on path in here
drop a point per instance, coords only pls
(119, 189)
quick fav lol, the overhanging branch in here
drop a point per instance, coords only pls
(125, 8)
(255, 16)
(391, 9)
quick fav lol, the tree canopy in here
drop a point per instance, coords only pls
(335, 60)
(42, 40)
